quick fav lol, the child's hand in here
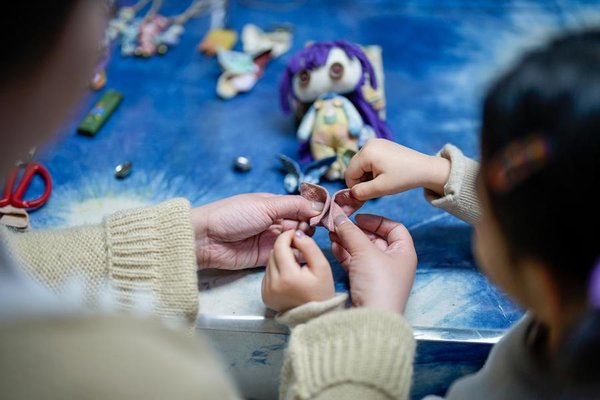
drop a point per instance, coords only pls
(383, 167)
(286, 284)
(380, 258)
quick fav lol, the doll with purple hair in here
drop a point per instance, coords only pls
(327, 78)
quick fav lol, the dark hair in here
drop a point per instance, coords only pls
(30, 31)
(551, 216)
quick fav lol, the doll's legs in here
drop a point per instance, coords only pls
(321, 150)
(338, 168)
(330, 140)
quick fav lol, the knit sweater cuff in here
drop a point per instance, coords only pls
(153, 249)
(460, 193)
(306, 312)
(359, 346)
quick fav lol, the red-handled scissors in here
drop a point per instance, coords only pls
(13, 196)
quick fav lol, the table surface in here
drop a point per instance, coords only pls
(438, 58)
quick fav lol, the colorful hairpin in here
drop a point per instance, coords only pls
(518, 161)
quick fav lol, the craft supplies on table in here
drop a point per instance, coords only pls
(242, 164)
(122, 171)
(100, 113)
(14, 206)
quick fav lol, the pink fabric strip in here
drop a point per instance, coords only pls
(341, 203)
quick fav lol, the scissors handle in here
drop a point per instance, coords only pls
(31, 170)
(6, 199)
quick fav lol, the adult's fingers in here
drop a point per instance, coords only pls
(341, 255)
(315, 259)
(292, 207)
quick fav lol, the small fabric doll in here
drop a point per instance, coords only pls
(330, 77)
(334, 127)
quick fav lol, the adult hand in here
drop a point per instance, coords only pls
(239, 232)
(380, 258)
(286, 283)
(383, 167)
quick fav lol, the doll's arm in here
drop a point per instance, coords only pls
(307, 124)
(355, 121)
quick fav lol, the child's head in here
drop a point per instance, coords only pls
(49, 54)
(540, 157)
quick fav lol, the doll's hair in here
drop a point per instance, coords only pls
(314, 56)
(541, 142)
(30, 32)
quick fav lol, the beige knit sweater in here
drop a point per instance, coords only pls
(332, 354)
(132, 251)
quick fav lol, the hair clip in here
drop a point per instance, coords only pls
(518, 161)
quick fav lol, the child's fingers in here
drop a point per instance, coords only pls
(333, 237)
(340, 254)
(306, 228)
(265, 283)
(289, 224)
(284, 256)
(272, 270)
(377, 224)
(358, 167)
(315, 259)
(372, 236)
(299, 256)
(377, 187)
(400, 237)
(350, 236)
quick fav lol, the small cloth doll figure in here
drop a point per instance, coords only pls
(331, 75)
(333, 127)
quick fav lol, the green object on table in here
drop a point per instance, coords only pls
(98, 115)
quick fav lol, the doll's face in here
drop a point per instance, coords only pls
(339, 74)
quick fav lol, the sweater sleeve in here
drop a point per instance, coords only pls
(98, 357)
(136, 250)
(306, 312)
(460, 193)
(351, 354)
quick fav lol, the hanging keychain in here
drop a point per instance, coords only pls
(152, 24)
(120, 24)
(170, 37)
(98, 80)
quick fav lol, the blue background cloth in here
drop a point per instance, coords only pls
(438, 58)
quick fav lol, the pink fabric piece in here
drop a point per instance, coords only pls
(341, 203)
